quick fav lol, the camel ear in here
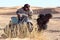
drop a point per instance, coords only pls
(49, 15)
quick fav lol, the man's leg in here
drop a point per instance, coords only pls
(19, 18)
(30, 26)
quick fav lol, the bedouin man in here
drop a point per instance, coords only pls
(24, 12)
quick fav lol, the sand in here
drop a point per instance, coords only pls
(51, 33)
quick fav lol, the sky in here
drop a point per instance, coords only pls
(38, 3)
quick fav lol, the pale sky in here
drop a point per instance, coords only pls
(39, 3)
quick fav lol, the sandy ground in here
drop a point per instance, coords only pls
(52, 32)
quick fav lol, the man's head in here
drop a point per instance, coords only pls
(26, 7)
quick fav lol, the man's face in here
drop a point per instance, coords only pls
(27, 8)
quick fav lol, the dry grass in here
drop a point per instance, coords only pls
(52, 32)
(20, 34)
(34, 35)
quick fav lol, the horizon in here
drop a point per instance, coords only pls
(35, 3)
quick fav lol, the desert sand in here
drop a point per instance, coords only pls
(51, 33)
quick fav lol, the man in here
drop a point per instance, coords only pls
(24, 14)
(26, 11)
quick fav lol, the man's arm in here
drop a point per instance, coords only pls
(30, 14)
(19, 12)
